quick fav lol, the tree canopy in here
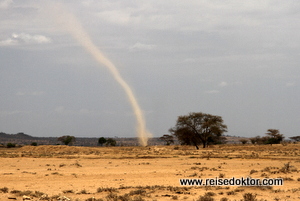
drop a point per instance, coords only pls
(169, 139)
(102, 141)
(67, 139)
(296, 138)
(111, 142)
(274, 136)
(199, 128)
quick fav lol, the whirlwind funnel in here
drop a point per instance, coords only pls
(69, 22)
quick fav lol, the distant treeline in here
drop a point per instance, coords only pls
(25, 139)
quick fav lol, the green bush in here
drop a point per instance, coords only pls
(111, 142)
(34, 144)
(10, 145)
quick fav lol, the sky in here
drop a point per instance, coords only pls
(235, 59)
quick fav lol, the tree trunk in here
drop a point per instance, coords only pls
(204, 145)
(195, 144)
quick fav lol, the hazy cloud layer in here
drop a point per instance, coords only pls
(141, 47)
(5, 4)
(23, 38)
(231, 58)
(34, 93)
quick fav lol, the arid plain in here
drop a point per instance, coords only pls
(49, 172)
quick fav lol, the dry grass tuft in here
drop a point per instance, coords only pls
(205, 198)
(4, 190)
(249, 197)
(110, 190)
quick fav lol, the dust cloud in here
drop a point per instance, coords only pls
(68, 22)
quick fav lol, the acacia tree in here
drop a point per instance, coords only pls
(274, 136)
(67, 139)
(111, 142)
(255, 140)
(185, 136)
(243, 141)
(199, 128)
(101, 141)
(296, 138)
(169, 139)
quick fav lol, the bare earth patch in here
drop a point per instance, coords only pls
(146, 173)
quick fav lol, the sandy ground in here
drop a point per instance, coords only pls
(146, 173)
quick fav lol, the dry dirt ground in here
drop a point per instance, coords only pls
(146, 173)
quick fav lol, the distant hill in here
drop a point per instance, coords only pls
(235, 139)
(18, 135)
(25, 139)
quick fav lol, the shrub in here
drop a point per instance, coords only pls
(102, 141)
(15, 191)
(249, 197)
(4, 190)
(34, 144)
(124, 197)
(67, 139)
(138, 192)
(110, 190)
(286, 168)
(21, 193)
(205, 198)
(68, 191)
(10, 145)
(138, 198)
(111, 142)
(93, 199)
(243, 141)
(37, 194)
(83, 191)
(231, 193)
(112, 196)
(210, 194)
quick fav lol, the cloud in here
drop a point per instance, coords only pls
(59, 109)
(5, 4)
(20, 93)
(37, 93)
(87, 3)
(8, 42)
(120, 17)
(212, 92)
(190, 60)
(290, 84)
(34, 93)
(23, 38)
(85, 111)
(64, 111)
(192, 16)
(141, 47)
(142, 14)
(15, 112)
(27, 38)
(223, 84)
